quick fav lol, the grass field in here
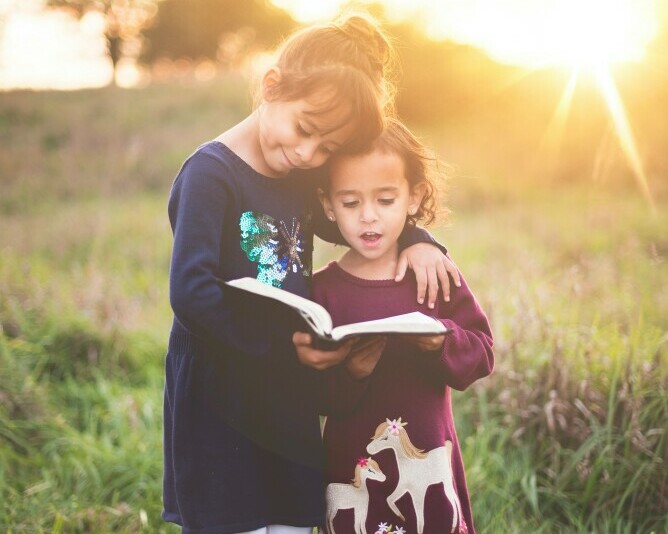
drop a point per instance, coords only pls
(568, 435)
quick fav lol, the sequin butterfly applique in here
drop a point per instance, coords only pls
(276, 246)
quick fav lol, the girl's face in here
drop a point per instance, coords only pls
(293, 134)
(370, 198)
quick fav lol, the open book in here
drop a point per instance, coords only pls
(319, 321)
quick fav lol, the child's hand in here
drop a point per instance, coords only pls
(430, 266)
(319, 359)
(364, 356)
(426, 343)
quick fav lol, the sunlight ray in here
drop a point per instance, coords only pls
(623, 131)
(554, 132)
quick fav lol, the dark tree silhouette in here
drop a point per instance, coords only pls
(125, 20)
(214, 29)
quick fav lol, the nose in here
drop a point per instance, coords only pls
(307, 150)
(368, 214)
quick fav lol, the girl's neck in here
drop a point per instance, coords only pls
(383, 268)
(244, 140)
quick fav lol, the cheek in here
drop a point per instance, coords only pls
(398, 216)
(344, 219)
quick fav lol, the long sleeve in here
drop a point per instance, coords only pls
(198, 204)
(467, 353)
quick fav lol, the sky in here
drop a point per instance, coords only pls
(52, 50)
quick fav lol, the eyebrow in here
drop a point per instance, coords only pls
(388, 189)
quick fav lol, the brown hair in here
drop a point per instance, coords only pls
(351, 60)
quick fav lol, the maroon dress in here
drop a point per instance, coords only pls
(393, 462)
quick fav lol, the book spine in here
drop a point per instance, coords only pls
(321, 343)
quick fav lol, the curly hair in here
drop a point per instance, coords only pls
(421, 166)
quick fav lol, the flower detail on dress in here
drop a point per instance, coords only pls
(276, 246)
(395, 425)
(362, 462)
(384, 528)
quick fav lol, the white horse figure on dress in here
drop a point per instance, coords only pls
(417, 470)
(355, 495)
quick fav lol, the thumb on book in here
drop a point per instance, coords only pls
(301, 338)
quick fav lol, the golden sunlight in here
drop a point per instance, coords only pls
(530, 33)
(543, 33)
(623, 130)
(51, 50)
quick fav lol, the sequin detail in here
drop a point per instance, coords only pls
(278, 247)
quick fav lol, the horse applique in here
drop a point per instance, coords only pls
(417, 471)
(355, 495)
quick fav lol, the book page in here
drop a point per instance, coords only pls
(409, 323)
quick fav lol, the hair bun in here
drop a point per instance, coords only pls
(369, 39)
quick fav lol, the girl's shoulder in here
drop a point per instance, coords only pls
(326, 274)
(326, 283)
(214, 165)
(217, 155)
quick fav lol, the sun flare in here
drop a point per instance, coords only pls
(546, 33)
(530, 33)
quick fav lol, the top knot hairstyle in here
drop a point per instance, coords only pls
(349, 61)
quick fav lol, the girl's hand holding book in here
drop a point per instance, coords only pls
(364, 356)
(319, 359)
(426, 343)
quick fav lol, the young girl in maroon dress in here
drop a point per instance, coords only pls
(393, 462)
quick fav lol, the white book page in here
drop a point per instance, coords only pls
(409, 323)
(312, 312)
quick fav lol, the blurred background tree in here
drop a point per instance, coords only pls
(124, 21)
(222, 30)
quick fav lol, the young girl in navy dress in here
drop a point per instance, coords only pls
(398, 444)
(242, 440)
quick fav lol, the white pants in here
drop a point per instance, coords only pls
(281, 529)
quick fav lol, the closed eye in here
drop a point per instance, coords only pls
(386, 201)
(350, 204)
(301, 130)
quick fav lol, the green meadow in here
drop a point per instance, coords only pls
(567, 435)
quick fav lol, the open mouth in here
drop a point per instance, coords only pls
(370, 237)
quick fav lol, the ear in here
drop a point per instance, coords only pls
(270, 80)
(417, 193)
(326, 205)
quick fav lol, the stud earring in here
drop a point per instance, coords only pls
(331, 217)
(411, 211)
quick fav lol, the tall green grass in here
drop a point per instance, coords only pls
(570, 431)
(84, 320)
(568, 434)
